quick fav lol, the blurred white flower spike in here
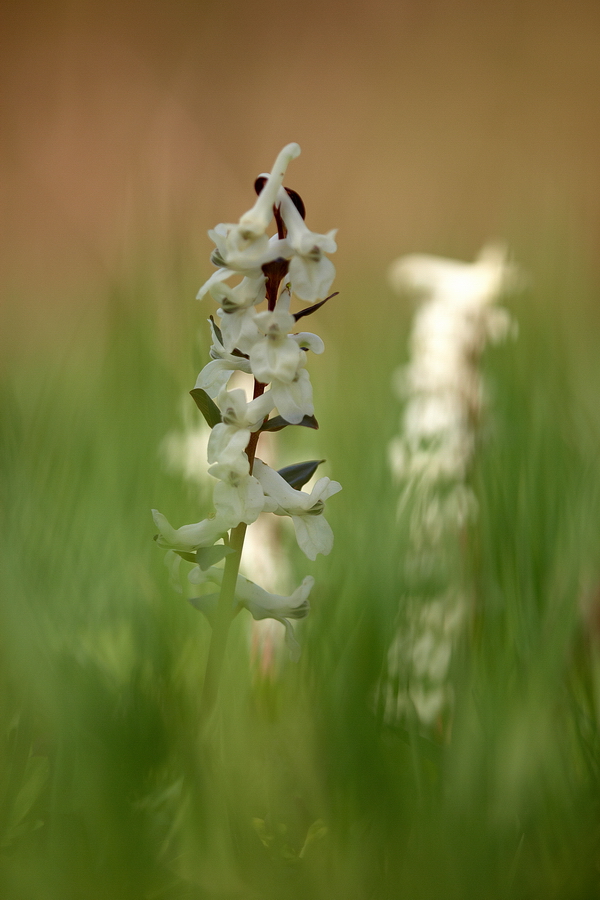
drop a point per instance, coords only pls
(443, 395)
(263, 343)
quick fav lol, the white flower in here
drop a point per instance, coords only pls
(308, 341)
(236, 308)
(237, 412)
(215, 374)
(190, 537)
(227, 446)
(444, 393)
(256, 220)
(279, 359)
(237, 498)
(313, 532)
(462, 283)
(310, 272)
(245, 247)
(228, 439)
(260, 603)
(294, 400)
(276, 355)
(239, 330)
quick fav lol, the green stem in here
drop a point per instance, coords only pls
(222, 621)
(226, 607)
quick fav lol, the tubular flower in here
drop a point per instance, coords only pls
(311, 273)
(190, 537)
(245, 247)
(260, 603)
(216, 374)
(313, 532)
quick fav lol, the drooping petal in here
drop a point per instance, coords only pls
(190, 537)
(314, 535)
(216, 277)
(306, 340)
(216, 374)
(311, 277)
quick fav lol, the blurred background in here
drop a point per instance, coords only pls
(429, 125)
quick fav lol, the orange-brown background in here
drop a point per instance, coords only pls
(424, 124)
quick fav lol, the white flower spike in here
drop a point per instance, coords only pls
(261, 343)
(443, 393)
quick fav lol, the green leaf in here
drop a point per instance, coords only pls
(276, 423)
(312, 309)
(35, 777)
(298, 474)
(189, 557)
(207, 604)
(207, 406)
(208, 556)
(218, 331)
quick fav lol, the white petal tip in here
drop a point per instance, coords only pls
(292, 150)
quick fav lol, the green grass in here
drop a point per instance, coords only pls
(107, 791)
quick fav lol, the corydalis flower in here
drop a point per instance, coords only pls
(229, 439)
(313, 532)
(260, 603)
(279, 359)
(245, 247)
(216, 374)
(236, 307)
(310, 272)
(189, 537)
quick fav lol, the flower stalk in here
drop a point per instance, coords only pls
(265, 345)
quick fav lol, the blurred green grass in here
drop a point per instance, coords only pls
(106, 789)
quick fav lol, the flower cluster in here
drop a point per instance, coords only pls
(443, 396)
(262, 343)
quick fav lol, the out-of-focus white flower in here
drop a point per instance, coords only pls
(443, 393)
(310, 272)
(313, 532)
(184, 451)
(463, 284)
(442, 384)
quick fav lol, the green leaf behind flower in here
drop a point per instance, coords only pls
(276, 423)
(298, 474)
(207, 406)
